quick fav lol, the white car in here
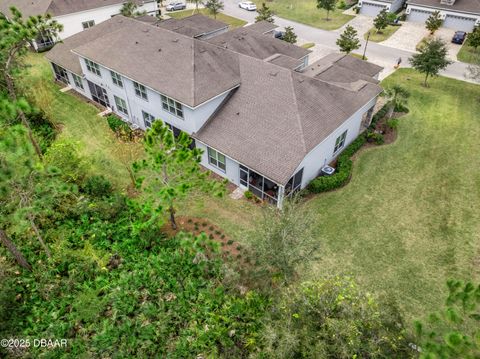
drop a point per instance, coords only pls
(247, 5)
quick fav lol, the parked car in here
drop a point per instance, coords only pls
(173, 6)
(247, 5)
(459, 37)
(278, 34)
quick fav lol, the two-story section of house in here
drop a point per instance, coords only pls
(74, 15)
(266, 119)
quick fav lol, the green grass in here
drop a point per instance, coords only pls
(306, 12)
(308, 45)
(469, 55)
(377, 36)
(232, 21)
(408, 220)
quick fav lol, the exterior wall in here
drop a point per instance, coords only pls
(455, 24)
(323, 153)
(232, 172)
(72, 23)
(193, 119)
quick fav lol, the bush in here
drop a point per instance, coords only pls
(342, 5)
(343, 170)
(375, 137)
(248, 195)
(393, 123)
(121, 128)
(98, 186)
(378, 116)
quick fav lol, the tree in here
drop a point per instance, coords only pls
(15, 34)
(328, 5)
(473, 38)
(264, 14)
(284, 240)
(434, 22)
(289, 35)
(197, 3)
(214, 7)
(396, 97)
(453, 332)
(431, 58)
(381, 21)
(130, 9)
(332, 318)
(176, 171)
(348, 40)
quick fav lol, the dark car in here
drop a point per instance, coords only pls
(278, 34)
(459, 37)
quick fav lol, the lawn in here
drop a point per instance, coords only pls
(306, 12)
(408, 220)
(232, 21)
(377, 36)
(469, 55)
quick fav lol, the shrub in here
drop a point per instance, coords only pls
(375, 137)
(211, 228)
(222, 236)
(343, 170)
(230, 241)
(210, 236)
(248, 195)
(189, 220)
(115, 123)
(97, 186)
(378, 116)
(342, 5)
(392, 123)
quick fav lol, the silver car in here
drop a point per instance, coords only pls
(173, 6)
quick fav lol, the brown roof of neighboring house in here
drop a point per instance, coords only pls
(149, 19)
(277, 116)
(185, 69)
(61, 53)
(262, 27)
(193, 26)
(255, 44)
(471, 6)
(57, 7)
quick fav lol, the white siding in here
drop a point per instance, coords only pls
(323, 153)
(232, 172)
(72, 23)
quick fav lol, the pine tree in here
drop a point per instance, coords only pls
(264, 14)
(289, 35)
(381, 21)
(434, 22)
(348, 40)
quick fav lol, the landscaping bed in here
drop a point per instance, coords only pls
(379, 36)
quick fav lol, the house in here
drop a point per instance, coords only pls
(373, 7)
(74, 15)
(196, 26)
(459, 15)
(263, 27)
(268, 122)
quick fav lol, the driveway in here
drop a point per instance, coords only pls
(446, 35)
(407, 37)
(361, 23)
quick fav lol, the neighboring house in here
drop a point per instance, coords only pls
(263, 27)
(74, 15)
(460, 15)
(196, 26)
(262, 125)
(373, 7)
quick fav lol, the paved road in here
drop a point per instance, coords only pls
(380, 54)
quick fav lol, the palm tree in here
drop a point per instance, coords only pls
(214, 7)
(196, 2)
(396, 97)
(129, 9)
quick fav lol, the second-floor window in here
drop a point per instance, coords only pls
(217, 159)
(116, 79)
(340, 142)
(121, 105)
(140, 90)
(172, 106)
(78, 81)
(88, 24)
(93, 67)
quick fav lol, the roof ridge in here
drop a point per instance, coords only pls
(299, 120)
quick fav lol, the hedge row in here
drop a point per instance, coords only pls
(343, 171)
(378, 116)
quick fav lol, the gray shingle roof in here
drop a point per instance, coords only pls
(185, 69)
(262, 26)
(255, 44)
(61, 53)
(193, 26)
(57, 7)
(471, 6)
(277, 116)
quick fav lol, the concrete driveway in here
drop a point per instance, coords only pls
(361, 23)
(446, 35)
(407, 37)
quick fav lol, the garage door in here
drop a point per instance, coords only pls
(371, 9)
(418, 15)
(459, 23)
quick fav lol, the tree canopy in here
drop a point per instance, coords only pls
(348, 40)
(264, 14)
(327, 5)
(434, 22)
(431, 59)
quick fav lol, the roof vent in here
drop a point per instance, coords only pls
(301, 80)
(202, 50)
(136, 42)
(238, 113)
(159, 50)
(146, 30)
(274, 74)
(175, 40)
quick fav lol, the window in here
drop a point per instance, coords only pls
(340, 142)
(60, 73)
(78, 81)
(93, 67)
(216, 159)
(148, 119)
(140, 90)
(121, 105)
(294, 183)
(172, 106)
(117, 79)
(88, 24)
